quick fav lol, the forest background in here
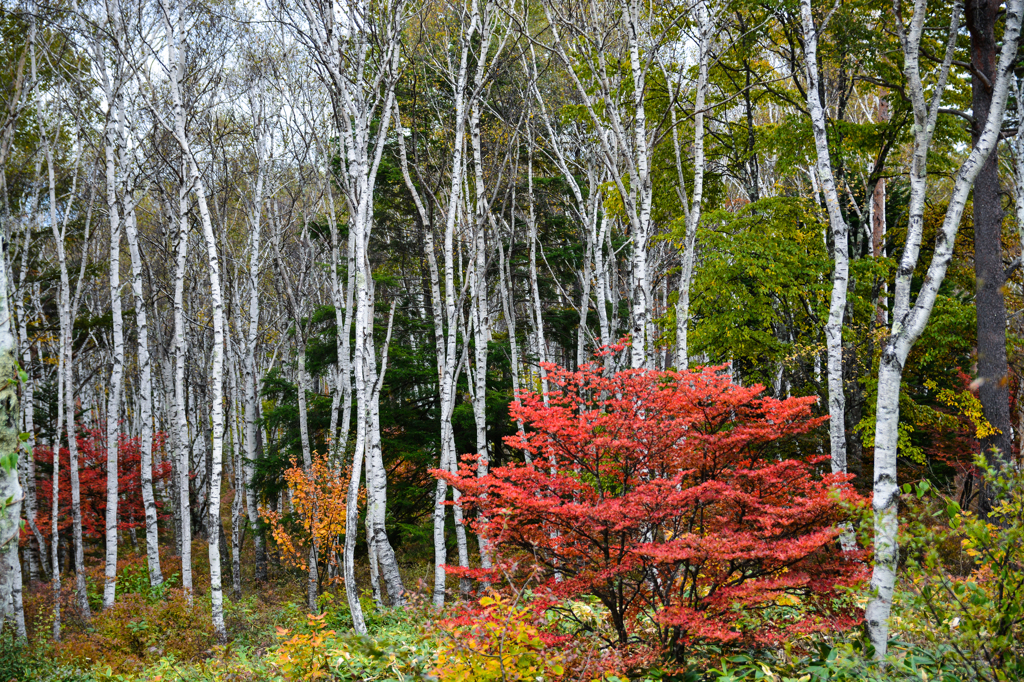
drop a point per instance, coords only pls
(276, 267)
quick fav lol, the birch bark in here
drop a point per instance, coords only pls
(10, 487)
(117, 369)
(145, 405)
(692, 207)
(840, 243)
(37, 555)
(910, 318)
(180, 425)
(250, 379)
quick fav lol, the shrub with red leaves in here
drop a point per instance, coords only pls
(92, 478)
(675, 498)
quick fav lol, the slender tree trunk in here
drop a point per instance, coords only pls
(238, 482)
(10, 487)
(535, 300)
(145, 405)
(180, 425)
(250, 379)
(840, 245)
(480, 305)
(693, 208)
(117, 368)
(910, 318)
(37, 554)
(377, 485)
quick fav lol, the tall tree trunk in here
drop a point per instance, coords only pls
(180, 424)
(37, 554)
(993, 368)
(117, 369)
(377, 485)
(910, 318)
(250, 379)
(10, 487)
(693, 206)
(840, 244)
(145, 405)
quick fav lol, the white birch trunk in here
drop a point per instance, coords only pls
(535, 300)
(909, 319)
(693, 207)
(180, 425)
(145, 405)
(117, 368)
(11, 494)
(250, 378)
(37, 556)
(840, 245)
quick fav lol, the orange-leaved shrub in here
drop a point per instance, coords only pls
(318, 499)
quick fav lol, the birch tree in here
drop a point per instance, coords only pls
(840, 240)
(145, 407)
(692, 204)
(174, 22)
(589, 35)
(909, 317)
(356, 52)
(10, 486)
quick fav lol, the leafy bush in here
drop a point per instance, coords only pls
(398, 651)
(136, 631)
(673, 499)
(500, 642)
(843, 662)
(978, 617)
(13, 653)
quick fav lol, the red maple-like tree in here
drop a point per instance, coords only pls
(92, 477)
(678, 499)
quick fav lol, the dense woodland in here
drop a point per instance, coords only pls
(511, 340)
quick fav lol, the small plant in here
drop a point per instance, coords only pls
(134, 579)
(979, 616)
(398, 651)
(850, 661)
(500, 642)
(13, 653)
(303, 655)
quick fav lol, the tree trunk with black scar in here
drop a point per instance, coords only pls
(993, 371)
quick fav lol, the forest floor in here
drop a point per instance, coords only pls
(155, 635)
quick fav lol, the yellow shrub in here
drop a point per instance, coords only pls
(500, 643)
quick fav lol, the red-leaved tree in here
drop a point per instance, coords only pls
(92, 476)
(678, 499)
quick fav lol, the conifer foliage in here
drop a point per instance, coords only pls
(678, 499)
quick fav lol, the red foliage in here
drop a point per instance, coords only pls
(671, 497)
(92, 477)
